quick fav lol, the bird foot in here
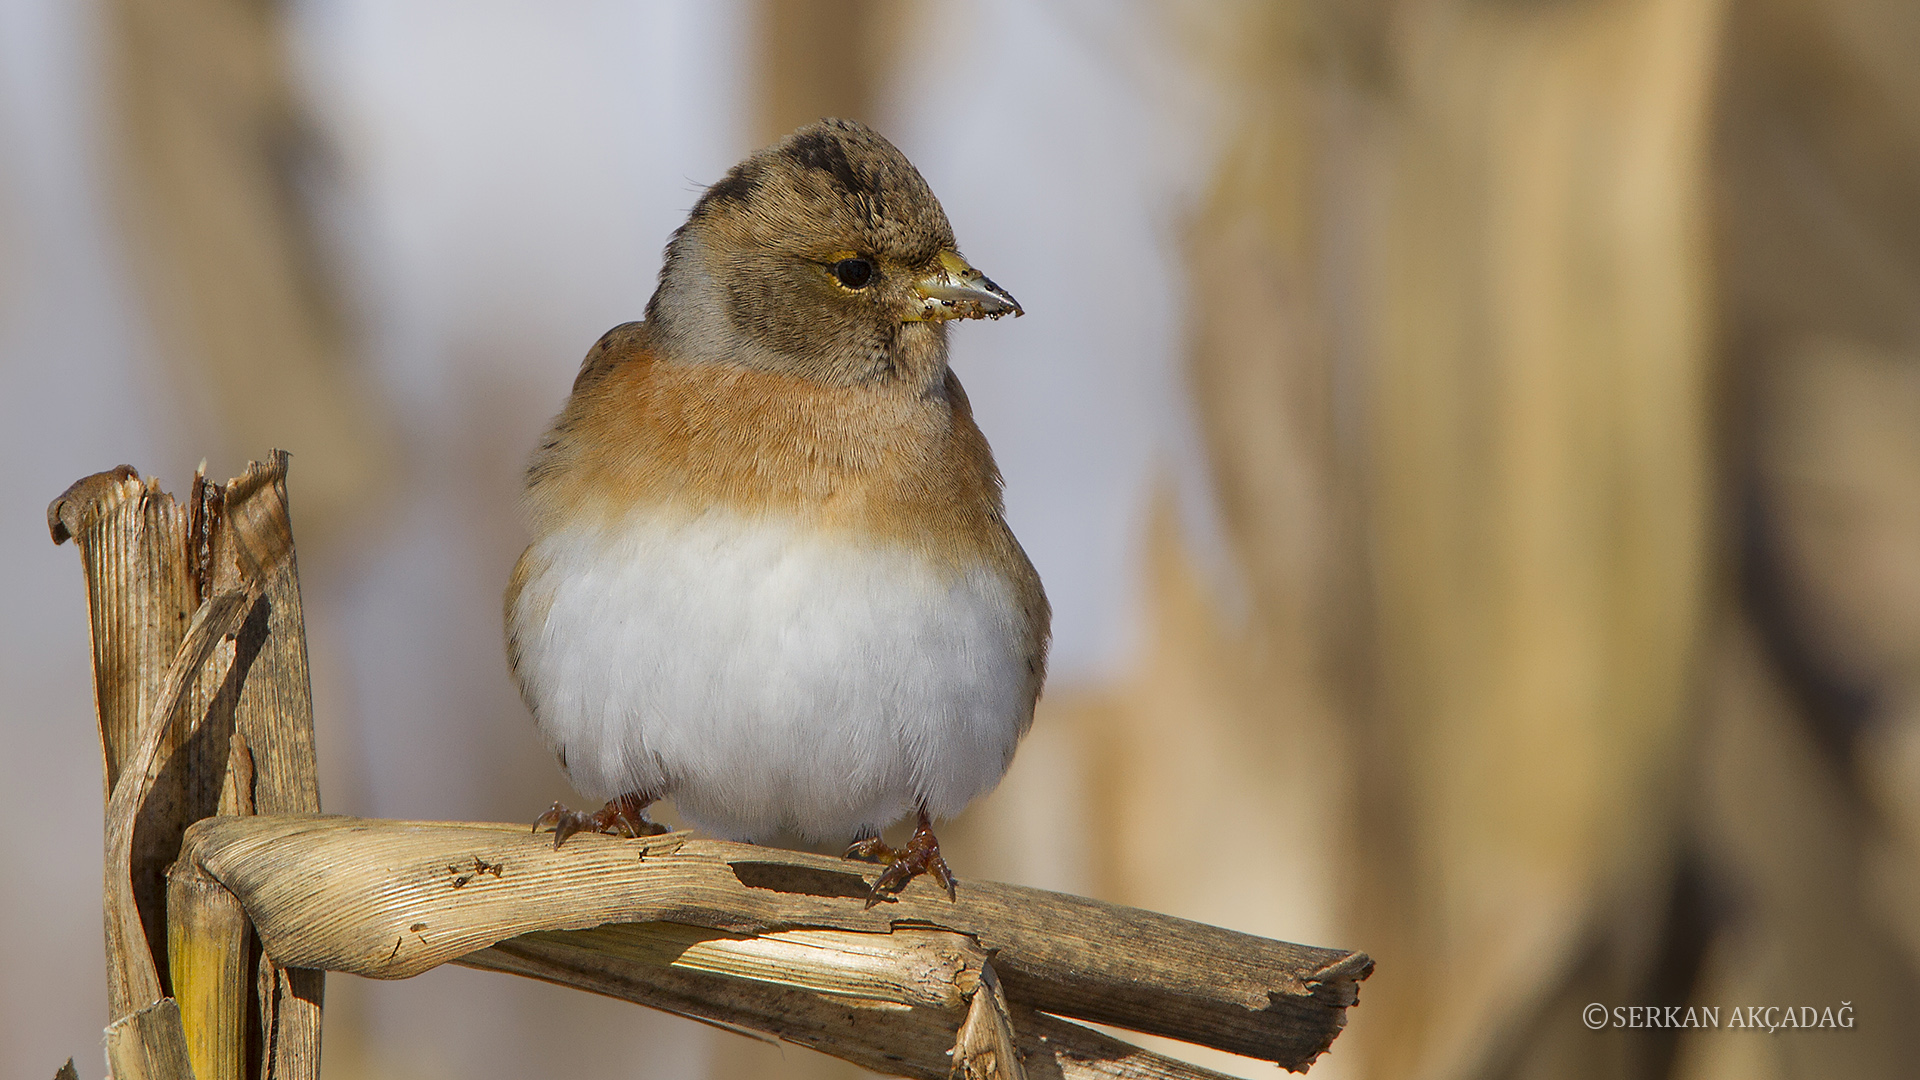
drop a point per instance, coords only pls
(920, 855)
(625, 816)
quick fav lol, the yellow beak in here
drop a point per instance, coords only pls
(955, 290)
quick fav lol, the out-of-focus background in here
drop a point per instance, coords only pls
(1473, 449)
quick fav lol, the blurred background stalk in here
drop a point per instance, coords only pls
(218, 168)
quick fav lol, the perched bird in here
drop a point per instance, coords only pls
(770, 577)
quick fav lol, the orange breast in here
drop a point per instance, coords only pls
(890, 465)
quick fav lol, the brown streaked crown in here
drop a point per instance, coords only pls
(845, 176)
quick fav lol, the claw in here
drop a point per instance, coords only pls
(921, 855)
(625, 816)
(550, 817)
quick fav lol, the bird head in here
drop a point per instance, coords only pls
(825, 256)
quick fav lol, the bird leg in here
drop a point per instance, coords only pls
(921, 855)
(625, 816)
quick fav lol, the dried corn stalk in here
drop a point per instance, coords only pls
(757, 940)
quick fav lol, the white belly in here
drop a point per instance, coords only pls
(767, 678)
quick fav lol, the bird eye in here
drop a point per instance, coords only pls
(854, 273)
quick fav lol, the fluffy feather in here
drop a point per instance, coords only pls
(769, 675)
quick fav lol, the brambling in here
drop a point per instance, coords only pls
(770, 577)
